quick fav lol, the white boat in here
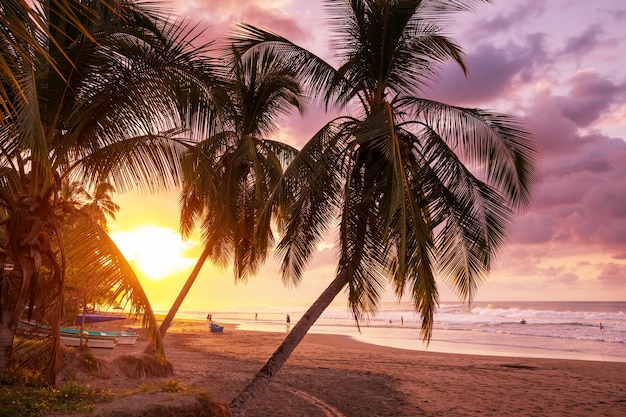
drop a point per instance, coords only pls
(126, 338)
(93, 339)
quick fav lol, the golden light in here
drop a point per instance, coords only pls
(158, 252)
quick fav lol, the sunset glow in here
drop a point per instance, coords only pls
(554, 64)
(157, 252)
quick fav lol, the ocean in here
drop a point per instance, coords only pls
(565, 330)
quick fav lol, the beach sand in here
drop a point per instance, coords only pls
(335, 376)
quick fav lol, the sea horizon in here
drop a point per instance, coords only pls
(551, 329)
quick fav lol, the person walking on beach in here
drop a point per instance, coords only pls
(288, 319)
(209, 318)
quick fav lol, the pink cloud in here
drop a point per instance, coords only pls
(493, 72)
(566, 278)
(613, 276)
(221, 18)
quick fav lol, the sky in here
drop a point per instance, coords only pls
(558, 65)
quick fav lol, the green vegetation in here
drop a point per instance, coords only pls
(29, 398)
(29, 401)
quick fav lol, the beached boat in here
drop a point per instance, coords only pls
(91, 338)
(216, 328)
(98, 318)
(126, 338)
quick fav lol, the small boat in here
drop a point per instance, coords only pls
(126, 338)
(216, 328)
(91, 338)
(98, 318)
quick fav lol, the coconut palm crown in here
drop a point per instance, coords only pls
(228, 176)
(422, 188)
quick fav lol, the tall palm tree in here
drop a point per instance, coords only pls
(421, 188)
(228, 176)
(112, 109)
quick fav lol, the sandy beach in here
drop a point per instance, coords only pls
(335, 376)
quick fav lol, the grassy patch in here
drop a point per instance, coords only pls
(32, 401)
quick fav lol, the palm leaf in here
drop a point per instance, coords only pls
(103, 269)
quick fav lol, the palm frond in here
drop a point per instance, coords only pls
(100, 266)
(149, 162)
(306, 199)
(493, 143)
(311, 69)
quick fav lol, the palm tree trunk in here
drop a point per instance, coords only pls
(167, 321)
(12, 302)
(240, 404)
(6, 341)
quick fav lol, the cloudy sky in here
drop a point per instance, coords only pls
(557, 64)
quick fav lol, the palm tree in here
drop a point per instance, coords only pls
(112, 109)
(421, 188)
(228, 176)
(101, 205)
(95, 267)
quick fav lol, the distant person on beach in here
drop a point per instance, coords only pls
(601, 326)
(288, 325)
(256, 316)
(402, 320)
(209, 318)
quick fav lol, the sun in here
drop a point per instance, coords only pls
(158, 252)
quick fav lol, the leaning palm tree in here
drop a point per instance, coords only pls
(228, 176)
(421, 189)
(111, 109)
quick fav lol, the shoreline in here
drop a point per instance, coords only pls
(335, 375)
(482, 344)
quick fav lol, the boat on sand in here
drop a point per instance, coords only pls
(216, 328)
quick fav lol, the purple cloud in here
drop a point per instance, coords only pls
(582, 196)
(590, 97)
(584, 43)
(493, 73)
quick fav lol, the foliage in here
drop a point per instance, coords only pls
(420, 189)
(228, 177)
(106, 98)
(28, 401)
